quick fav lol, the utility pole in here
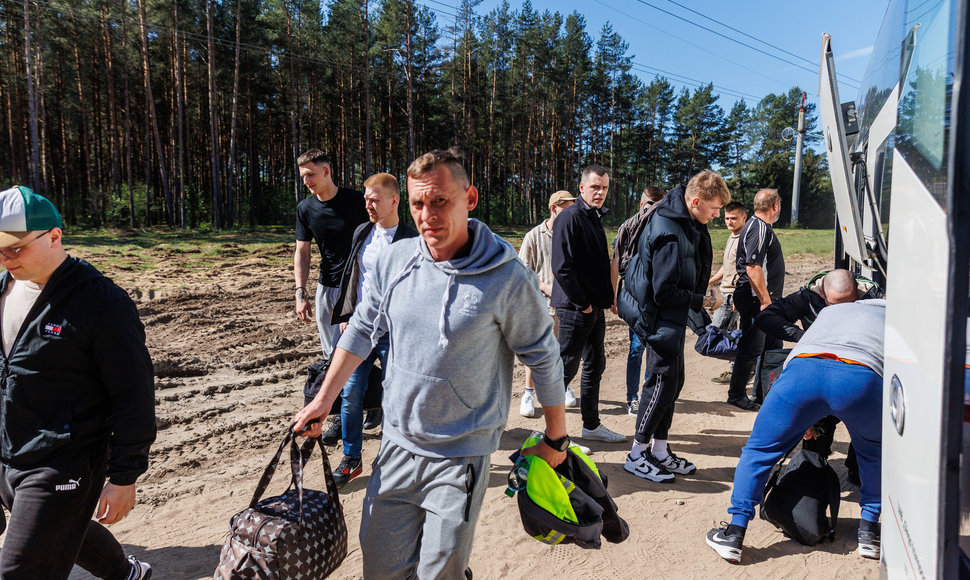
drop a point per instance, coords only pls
(796, 182)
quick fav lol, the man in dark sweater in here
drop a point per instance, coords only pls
(664, 281)
(78, 413)
(761, 279)
(580, 293)
(329, 217)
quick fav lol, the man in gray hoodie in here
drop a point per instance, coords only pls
(458, 307)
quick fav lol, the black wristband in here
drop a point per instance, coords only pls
(561, 444)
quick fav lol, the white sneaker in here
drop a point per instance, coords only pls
(601, 433)
(647, 467)
(571, 400)
(139, 570)
(527, 408)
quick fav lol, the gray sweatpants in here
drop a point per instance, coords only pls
(420, 513)
(326, 298)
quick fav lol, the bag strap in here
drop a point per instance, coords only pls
(775, 474)
(269, 471)
(835, 493)
(306, 451)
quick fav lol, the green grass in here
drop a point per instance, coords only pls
(793, 241)
(143, 249)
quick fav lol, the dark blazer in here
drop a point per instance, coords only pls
(347, 299)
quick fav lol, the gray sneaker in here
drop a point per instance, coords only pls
(869, 544)
(601, 433)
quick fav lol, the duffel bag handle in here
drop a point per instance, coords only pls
(297, 455)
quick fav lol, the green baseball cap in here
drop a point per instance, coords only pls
(22, 211)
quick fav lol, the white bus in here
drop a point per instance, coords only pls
(899, 157)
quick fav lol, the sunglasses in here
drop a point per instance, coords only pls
(14, 253)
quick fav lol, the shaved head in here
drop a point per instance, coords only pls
(839, 286)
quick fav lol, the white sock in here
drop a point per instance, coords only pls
(638, 449)
(659, 449)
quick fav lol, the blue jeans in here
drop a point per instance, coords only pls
(352, 408)
(807, 390)
(634, 363)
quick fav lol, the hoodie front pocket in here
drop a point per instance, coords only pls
(425, 408)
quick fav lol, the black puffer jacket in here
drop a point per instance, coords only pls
(78, 380)
(669, 274)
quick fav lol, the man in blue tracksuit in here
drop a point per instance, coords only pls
(78, 402)
(835, 369)
(458, 308)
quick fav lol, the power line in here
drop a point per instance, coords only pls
(726, 37)
(697, 82)
(756, 39)
(697, 46)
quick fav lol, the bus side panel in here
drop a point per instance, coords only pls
(916, 318)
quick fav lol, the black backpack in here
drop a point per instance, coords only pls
(798, 495)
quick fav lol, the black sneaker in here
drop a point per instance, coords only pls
(745, 404)
(675, 464)
(373, 418)
(648, 467)
(869, 544)
(333, 433)
(349, 468)
(633, 407)
(727, 546)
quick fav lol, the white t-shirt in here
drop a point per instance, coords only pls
(14, 306)
(378, 239)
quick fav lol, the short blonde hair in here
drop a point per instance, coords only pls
(450, 158)
(708, 185)
(766, 199)
(385, 182)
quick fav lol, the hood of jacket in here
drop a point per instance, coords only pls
(673, 206)
(488, 251)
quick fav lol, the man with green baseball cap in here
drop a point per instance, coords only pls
(78, 402)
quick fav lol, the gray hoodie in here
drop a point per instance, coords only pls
(854, 331)
(455, 329)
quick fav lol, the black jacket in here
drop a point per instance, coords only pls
(669, 274)
(78, 380)
(580, 259)
(347, 299)
(779, 318)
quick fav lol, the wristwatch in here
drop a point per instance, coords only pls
(561, 444)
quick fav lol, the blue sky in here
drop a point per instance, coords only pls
(662, 42)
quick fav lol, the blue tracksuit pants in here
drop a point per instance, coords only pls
(807, 390)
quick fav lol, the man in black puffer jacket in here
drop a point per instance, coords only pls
(666, 279)
(78, 402)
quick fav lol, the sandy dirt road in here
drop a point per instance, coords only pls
(230, 359)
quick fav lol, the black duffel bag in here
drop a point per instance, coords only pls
(798, 495)
(317, 371)
(299, 535)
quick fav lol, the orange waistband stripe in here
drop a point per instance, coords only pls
(831, 356)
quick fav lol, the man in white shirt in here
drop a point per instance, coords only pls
(725, 316)
(536, 254)
(381, 198)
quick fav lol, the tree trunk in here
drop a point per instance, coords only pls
(127, 101)
(31, 105)
(85, 148)
(213, 122)
(231, 173)
(152, 128)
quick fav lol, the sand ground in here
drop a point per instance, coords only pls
(230, 359)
